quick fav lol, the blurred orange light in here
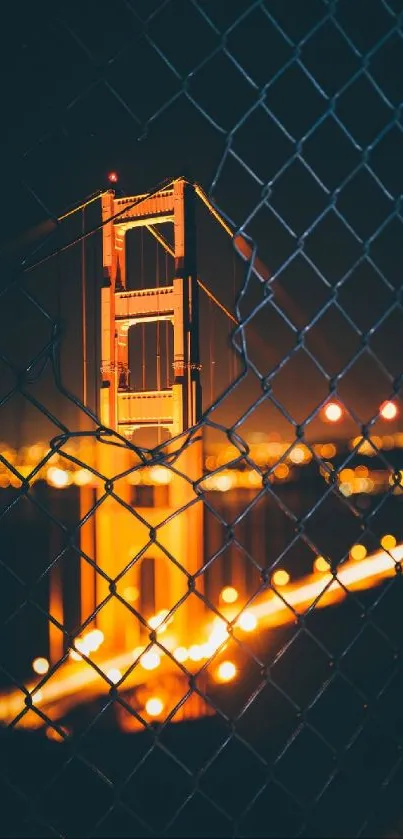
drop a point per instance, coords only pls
(195, 652)
(282, 471)
(358, 552)
(40, 666)
(154, 706)
(181, 654)
(131, 593)
(114, 675)
(388, 542)
(226, 671)
(113, 177)
(321, 564)
(333, 412)
(57, 478)
(388, 410)
(229, 594)
(280, 577)
(247, 622)
(150, 660)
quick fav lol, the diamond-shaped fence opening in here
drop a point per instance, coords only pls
(201, 595)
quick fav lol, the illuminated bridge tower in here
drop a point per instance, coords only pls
(119, 534)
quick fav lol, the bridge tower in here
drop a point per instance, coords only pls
(173, 550)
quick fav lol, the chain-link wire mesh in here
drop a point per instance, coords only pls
(286, 719)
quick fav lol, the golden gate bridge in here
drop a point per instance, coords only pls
(117, 542)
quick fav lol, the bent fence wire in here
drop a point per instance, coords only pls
(289, 116)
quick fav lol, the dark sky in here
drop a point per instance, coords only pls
(289, 111)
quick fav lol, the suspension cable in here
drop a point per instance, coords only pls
(218, 217)
(217, 302)
(167, 365)
(84, 204)
(143, 349)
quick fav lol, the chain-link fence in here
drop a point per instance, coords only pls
(258, 693)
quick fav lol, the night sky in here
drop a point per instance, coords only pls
(288, 113)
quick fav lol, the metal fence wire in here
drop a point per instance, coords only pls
(285, 720)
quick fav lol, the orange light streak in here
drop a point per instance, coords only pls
(271, 612)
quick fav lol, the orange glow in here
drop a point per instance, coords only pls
(333, 412)
(362, 471)
(346, 475)
(154, 706)
(223, 483)
(53, 734)
(299, 454)
(328, 450)
(271, 611)
(40, 666)
(113, 177)
(229, 594)
(388, 410)
(226, 671)
(280, 577)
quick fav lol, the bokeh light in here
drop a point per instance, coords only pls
(40, 665)
(388, 410)
(358, 552)
(229, 594)
(333, 412)
(226, 671)
(154, 706)
(280, 577)
(388, 542)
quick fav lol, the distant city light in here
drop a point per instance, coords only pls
(333, 412)
(154, 706)
(229, 594)
(280, 577)
(282, 471)
(388, 410)
(40, 665)
(298, 454)
(226, 671)
(358, 552)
